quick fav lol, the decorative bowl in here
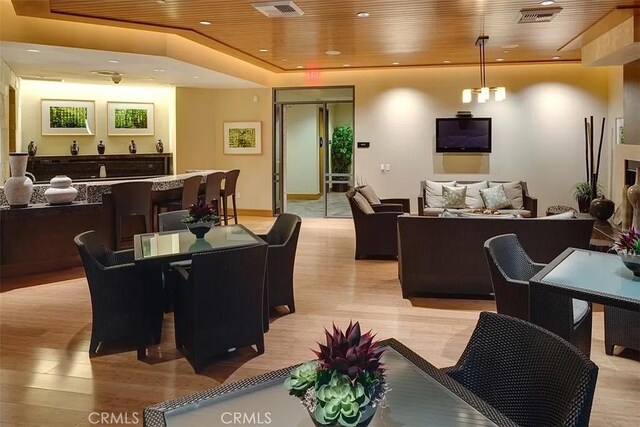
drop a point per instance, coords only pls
(632, 262)
(199, 228)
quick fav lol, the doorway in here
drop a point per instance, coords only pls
(313, 162)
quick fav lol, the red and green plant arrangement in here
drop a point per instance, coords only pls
(200, 212)
(346, 384)
(628, 243)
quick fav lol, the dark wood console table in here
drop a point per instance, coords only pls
(88, 166)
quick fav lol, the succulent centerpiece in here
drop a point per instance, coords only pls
(346, 384)
(628, 247)
(199, 218)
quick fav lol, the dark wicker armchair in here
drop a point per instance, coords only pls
(283, 242)
(621, 327)
(219, 303)
(377, 232)
(532, 376)
(117, 294)
(171, 221)
(511, 268)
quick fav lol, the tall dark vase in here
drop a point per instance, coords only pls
(101, 147)
(74, 148)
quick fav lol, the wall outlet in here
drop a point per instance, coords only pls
(387, 167)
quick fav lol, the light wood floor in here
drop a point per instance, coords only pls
(47, 378)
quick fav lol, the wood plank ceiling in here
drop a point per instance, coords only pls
(396, 32)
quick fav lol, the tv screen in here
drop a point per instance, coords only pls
(468, 135)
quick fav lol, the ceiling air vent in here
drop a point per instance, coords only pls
(278, 9)
(529, 16)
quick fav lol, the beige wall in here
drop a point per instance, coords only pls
(32, 92)
(537, 132)
(200, 117)
(7, 80)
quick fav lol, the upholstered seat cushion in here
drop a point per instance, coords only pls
(369, 194)
(433, 193)
(472, 198)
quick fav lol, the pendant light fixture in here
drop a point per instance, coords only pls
(484, 92)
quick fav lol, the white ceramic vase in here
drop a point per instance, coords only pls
(61, 192)
(19, 187)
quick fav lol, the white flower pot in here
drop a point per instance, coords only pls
(19, 187)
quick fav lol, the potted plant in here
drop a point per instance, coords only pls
(346, 384)
(199, 219)
(341, 155)
(628, 247)
(582, 194)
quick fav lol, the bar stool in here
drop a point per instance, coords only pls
(213, 190)
(131, 199)
(190, 190)
(229, 189)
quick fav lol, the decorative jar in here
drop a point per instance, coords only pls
(60, 192)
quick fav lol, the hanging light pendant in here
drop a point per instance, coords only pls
(484, 92)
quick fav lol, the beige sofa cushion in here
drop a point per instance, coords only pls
(514, 192)
(362, 203)
(454, 197)
(433, 193)
(369, 194)
(473, 199)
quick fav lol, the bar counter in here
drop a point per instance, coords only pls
(39, 238)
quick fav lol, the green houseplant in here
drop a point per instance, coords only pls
(341, 155)
(346, 384)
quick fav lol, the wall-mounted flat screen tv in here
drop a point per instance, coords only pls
(463, 135)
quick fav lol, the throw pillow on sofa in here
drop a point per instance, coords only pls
(495, 198)
(514, 192)
(454, 197)
(369, 194)
(362, 203)
(473, 199)
(433, 193)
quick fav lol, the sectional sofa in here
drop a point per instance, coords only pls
(445, 256)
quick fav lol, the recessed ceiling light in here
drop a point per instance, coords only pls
(299, 66)
(547, 3)
(446, 61)
(395, 63)
(159, 70)
(204, 22)
(506, 51)
(263, 50)
(150, 79)
(114, 61)
(284, 59)
(196, 77)
(555, 58)
(363, 14)
(161, 1)
(510, 46)
(333, 52)
(346, 65)
(33, 50)
(499, 59)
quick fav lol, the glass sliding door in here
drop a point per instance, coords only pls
(310, 178)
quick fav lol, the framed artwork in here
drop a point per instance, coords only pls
(619, 130)
(130, 118)
(243, 138)
(68, 117)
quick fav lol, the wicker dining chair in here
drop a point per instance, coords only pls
(229, 190)
(219, 303)
(116, 291)
(131, 199)
(621, 327)
(511, 269)
(283, 242)
(171, 221)
(531, 375)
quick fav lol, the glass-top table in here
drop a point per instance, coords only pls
(420, 395)
(170, 246)
(590, 276)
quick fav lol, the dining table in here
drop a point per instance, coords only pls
(582, 274)
(419, 395)
(154, 252)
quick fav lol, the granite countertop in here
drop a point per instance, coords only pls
(91, 192)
